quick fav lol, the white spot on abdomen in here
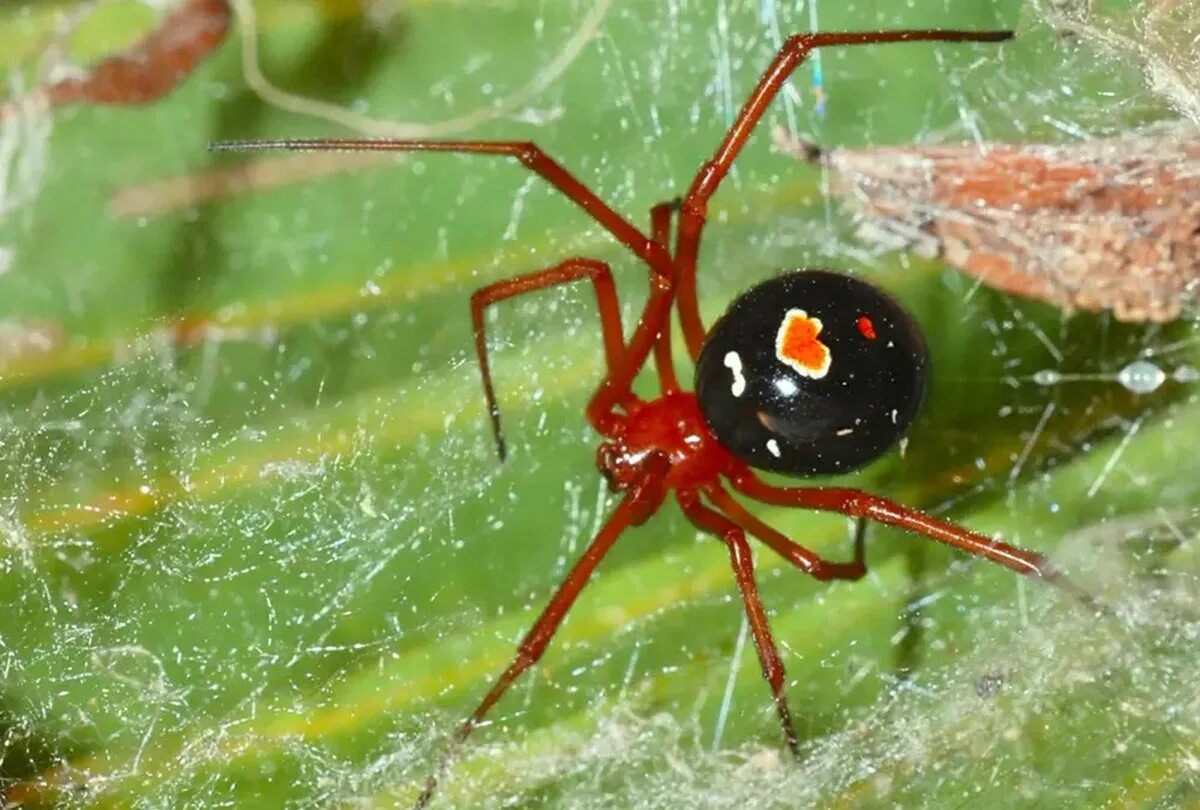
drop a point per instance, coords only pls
(733, 361)
(773, 447)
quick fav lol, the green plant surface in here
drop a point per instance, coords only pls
(258, 550)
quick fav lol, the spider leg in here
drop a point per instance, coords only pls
(563, 273)
(807, 561)
(657, 311)
(660, 231)
(534, 644)
(859, 504)
(655, 319)
(708, 179)
(743, 569)
(660, 221)
(802, 558)
(529, 154)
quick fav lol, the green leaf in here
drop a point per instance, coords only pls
(257, 547)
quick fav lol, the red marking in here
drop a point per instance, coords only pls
(866, 327)
(798, 345)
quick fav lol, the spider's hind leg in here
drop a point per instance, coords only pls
(807, 561)
(743, 569)
(539, 635)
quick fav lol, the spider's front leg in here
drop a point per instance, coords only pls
(570, 270)
(529, 154)
(616, 387)
(695, 205)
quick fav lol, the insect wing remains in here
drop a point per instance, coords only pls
(1110, 224)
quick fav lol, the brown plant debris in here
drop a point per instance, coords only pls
(1111, 224)
(156, 65)
(148, 70)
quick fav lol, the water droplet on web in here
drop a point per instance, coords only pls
(1141, 377)
(1047, 376)
(1186, 374)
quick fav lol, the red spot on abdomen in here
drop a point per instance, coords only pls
(866, 327)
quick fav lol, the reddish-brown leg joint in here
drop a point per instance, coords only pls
(856, 503)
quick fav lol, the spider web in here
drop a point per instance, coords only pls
(257, 549)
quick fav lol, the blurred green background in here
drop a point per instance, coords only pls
(273, 565)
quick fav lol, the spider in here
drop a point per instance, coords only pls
(810, 373)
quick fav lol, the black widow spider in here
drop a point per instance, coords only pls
(810, 373)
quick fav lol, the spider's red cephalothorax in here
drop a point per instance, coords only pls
(809, 373)
(665, 433)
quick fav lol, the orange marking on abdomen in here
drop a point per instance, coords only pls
(866, 327)
(797, 344)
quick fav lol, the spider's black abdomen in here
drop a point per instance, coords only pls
(811, 373)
